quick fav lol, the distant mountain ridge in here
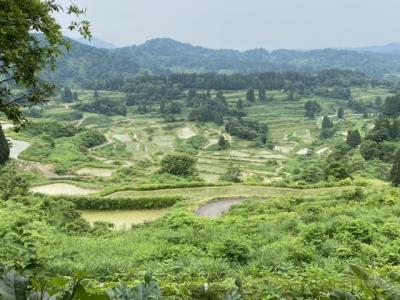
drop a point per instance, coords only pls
(97, 43)
(392, 48)
(163, 55)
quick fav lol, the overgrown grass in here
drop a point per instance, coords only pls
(101, 203)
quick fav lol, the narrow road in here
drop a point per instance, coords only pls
(217, 208)
(80, 122)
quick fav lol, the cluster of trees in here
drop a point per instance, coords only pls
(328, 129)
(247, 129)
(103, 105)
(296, 82)
(68, 96)
(261, 93)
(146, 89)
(334, 167)
(170, 108)
(380, 142)
(53, 129)
(179, 164)
(336, 92)
(207, 108)
(367, 107)
(391, 107)
(269, 80)
(312, 108)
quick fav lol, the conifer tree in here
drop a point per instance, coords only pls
(395, 171)
(326, 123)
(222, 142)
(239, 104)
(262, 96)
(250, 97)
(353, 138)
(66, 95)
(340, 113)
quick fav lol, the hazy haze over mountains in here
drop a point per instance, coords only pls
(238, 24)
(97, 43)
(391, 48)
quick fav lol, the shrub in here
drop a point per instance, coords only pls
(179, 164)
(232, 249)
(101, 203)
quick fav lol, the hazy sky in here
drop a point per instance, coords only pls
(245, 24)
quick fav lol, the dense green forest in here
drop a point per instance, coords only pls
(83, 63)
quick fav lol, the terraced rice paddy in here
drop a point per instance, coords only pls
(55, 189)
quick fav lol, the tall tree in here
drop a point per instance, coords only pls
(312, 108)
(66, 95)
(24, 24)
(391, 108)
(222, 142)
(250, 97)
(4, 148)
(395, 171)
(353, 138)
(326, 123)
(340, 113)
(239, 104)
(394, 129)
(262, 96)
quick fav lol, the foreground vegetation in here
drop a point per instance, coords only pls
(281, 247)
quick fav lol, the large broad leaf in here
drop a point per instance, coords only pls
(122, 292)
(82, 294)
(142, 292)
(145, 292)
(13, 286)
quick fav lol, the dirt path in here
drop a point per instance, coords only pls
(217, 208)
(322, 150)
(210, 143)
(303, 151)
(80, 121)
(108, 142)
(17, 147)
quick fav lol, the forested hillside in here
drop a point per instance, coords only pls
(85, 64)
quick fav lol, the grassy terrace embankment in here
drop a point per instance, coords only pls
(208, 193)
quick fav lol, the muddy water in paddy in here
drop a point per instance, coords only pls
(123, 218)
(99, 172)
(186, 133)
(61, 189)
